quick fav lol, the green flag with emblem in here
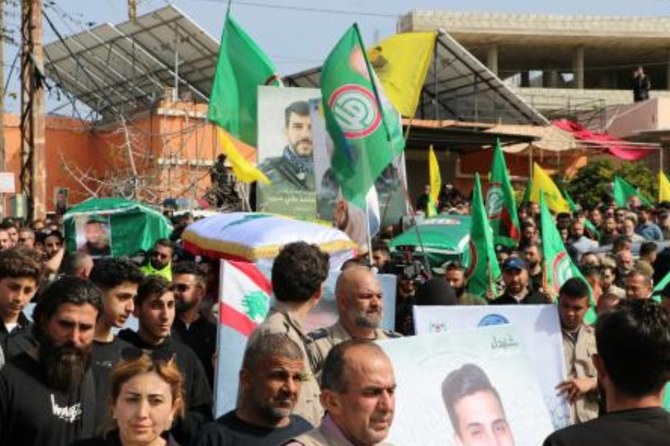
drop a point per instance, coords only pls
(483, 271)
(558, 266)
(500, 203)
(365, 128)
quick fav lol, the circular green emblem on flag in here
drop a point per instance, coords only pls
(494, 201)
(561, 270)
(355, 110)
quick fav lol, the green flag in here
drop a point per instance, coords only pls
(500, 203)
(365, 129)
(558, 266)
(241, 68)
(624, 191)
(483, 271)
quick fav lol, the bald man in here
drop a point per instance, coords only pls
(358, 393)
(359, 305)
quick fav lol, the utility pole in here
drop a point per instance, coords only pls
(132, 9)
(2, 92)
(33, 171)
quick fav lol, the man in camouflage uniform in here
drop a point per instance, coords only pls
(294, 169)
(298, 273)
(359, 305)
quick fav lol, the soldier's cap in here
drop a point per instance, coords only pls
(514, 263)
(96, 218)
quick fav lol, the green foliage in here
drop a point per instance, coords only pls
(595, 179)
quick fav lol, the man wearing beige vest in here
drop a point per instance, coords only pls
(579, 345)
(358, 394)
(360, 306)
(298, 273)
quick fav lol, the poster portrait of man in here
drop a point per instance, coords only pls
(286, 144)
(475, 409)
(466, 388)
(93, 235)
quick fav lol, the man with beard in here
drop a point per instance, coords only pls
(272, 372)
(192, 326)
(534, 257)
(47, 395)
(359, 306)
(298, 274)
(625, 263)
(579, 346)
(20, 273)
(118, 280)
(608, 230)
(160, 260)
(454, 274)
(155, 311)
(515, 277)
(358, 392)
(96, 234)
(294, 169)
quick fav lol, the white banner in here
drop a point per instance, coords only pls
(539, 330)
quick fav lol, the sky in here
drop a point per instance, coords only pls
(298, 34)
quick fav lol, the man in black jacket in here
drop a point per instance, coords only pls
(517, 291)
(155, 311)
(192, 326)
(47, 394)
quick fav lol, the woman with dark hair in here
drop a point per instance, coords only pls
(146, 396)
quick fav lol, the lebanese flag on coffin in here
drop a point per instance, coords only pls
(245, 296)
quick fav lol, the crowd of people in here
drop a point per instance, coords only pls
(73, 373)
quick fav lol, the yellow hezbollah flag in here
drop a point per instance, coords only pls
(243, 169)
(435, 182)
(542, 182)
(401, 63)
(663, 188)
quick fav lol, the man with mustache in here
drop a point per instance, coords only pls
(118, 280)
(155, 311)
(358, 393)
(47, 394)
(20, 273)
(294, 169)
(272, 373)
(359, 305)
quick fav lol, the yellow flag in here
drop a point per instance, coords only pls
(435, 180)
(542, 182)
(401, 63)
(243, 169)
(663, 188)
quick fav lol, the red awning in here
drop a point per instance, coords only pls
(608, 144)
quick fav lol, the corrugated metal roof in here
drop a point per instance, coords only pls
(120, 68)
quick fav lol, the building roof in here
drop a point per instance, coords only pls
(120, 68)
(457, 87)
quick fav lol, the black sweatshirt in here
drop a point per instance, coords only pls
(197, 392)
(31, 413)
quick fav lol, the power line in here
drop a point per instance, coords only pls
(306, 9)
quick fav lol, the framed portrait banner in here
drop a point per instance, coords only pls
(539, 330)
(460, 387)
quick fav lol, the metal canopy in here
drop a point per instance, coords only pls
(115, 69)
(466, 90)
